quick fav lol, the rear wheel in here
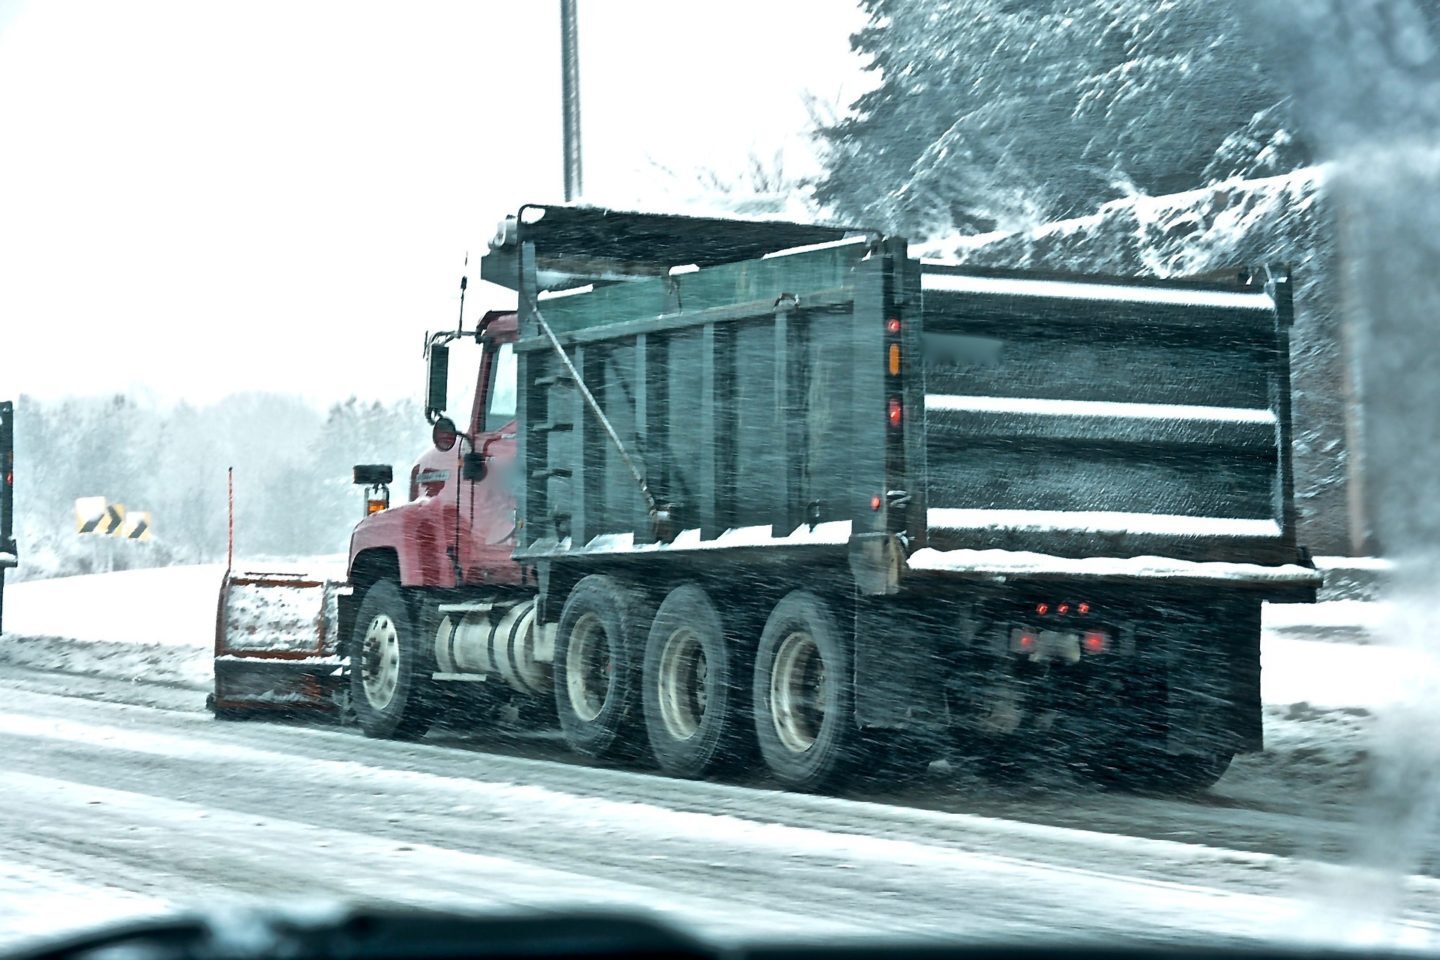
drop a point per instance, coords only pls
(597, 673)
(390, 667)
(695, 689)
(803, 696)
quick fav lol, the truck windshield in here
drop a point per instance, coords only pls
(501, 408)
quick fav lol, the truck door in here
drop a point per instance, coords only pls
(487, 505)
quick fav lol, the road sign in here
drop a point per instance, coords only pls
(137, 525)
(89, 514)
(114, 519)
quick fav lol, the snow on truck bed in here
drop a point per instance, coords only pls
(1013, 563)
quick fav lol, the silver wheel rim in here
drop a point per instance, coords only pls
(798, 692)
(681, 687)
(380, 661)
(587, 667)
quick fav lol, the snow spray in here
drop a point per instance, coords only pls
(1365, 78)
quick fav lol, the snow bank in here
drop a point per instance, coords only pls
(161, 606)
(156, 625)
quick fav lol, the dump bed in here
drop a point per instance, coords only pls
(1104, 417)
(819, 395)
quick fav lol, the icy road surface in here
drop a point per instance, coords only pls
(121, 797)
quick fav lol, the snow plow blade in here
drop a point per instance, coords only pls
(276, 645)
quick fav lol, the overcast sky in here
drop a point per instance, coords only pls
(204, 198)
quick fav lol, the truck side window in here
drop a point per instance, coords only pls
(501, 408)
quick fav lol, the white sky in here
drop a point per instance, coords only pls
(201, 198)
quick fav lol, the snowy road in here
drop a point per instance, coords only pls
(121, 796)
(131, 807)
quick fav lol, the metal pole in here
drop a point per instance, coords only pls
(230, 520)
(570, 93)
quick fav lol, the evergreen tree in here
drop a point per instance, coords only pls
(997, 113)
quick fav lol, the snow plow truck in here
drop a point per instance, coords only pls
(730, 492)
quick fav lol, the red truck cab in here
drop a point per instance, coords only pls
(455, 531)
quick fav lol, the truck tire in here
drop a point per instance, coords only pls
(597, 669)
(803, 698)
(696, 689)
(390, 667)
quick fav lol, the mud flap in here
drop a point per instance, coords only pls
(898, 677)
(1213, 694)
(277, 645)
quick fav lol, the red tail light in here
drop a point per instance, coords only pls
(1096, 641)
(894, 412)
(892, 325)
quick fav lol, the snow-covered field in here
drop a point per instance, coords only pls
(140, 803)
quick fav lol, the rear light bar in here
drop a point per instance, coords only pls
(1059, 644)
(1063, 608)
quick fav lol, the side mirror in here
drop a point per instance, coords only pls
(373, 474)
(437, 381)
(444, 434)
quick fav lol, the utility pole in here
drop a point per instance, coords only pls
(570, 93)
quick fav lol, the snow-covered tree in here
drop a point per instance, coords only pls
(999, 113)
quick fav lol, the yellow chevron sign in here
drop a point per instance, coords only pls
(137, 525)
(114, 519)
(89, 514)
(94, 515)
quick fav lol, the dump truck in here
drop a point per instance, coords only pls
(733, 492)
(9, 554)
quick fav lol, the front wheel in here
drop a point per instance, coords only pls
(804, 698)
(389, 667)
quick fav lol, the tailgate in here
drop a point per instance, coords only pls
(1097, 417)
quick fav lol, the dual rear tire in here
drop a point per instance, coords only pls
(698, 694)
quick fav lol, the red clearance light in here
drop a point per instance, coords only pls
(1042, 608)
(875, 502)
(892, 325)
(894, 412)
(1096, 642)
(1084, 608)
(1063, 608)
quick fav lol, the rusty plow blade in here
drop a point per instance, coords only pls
(276, 646)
